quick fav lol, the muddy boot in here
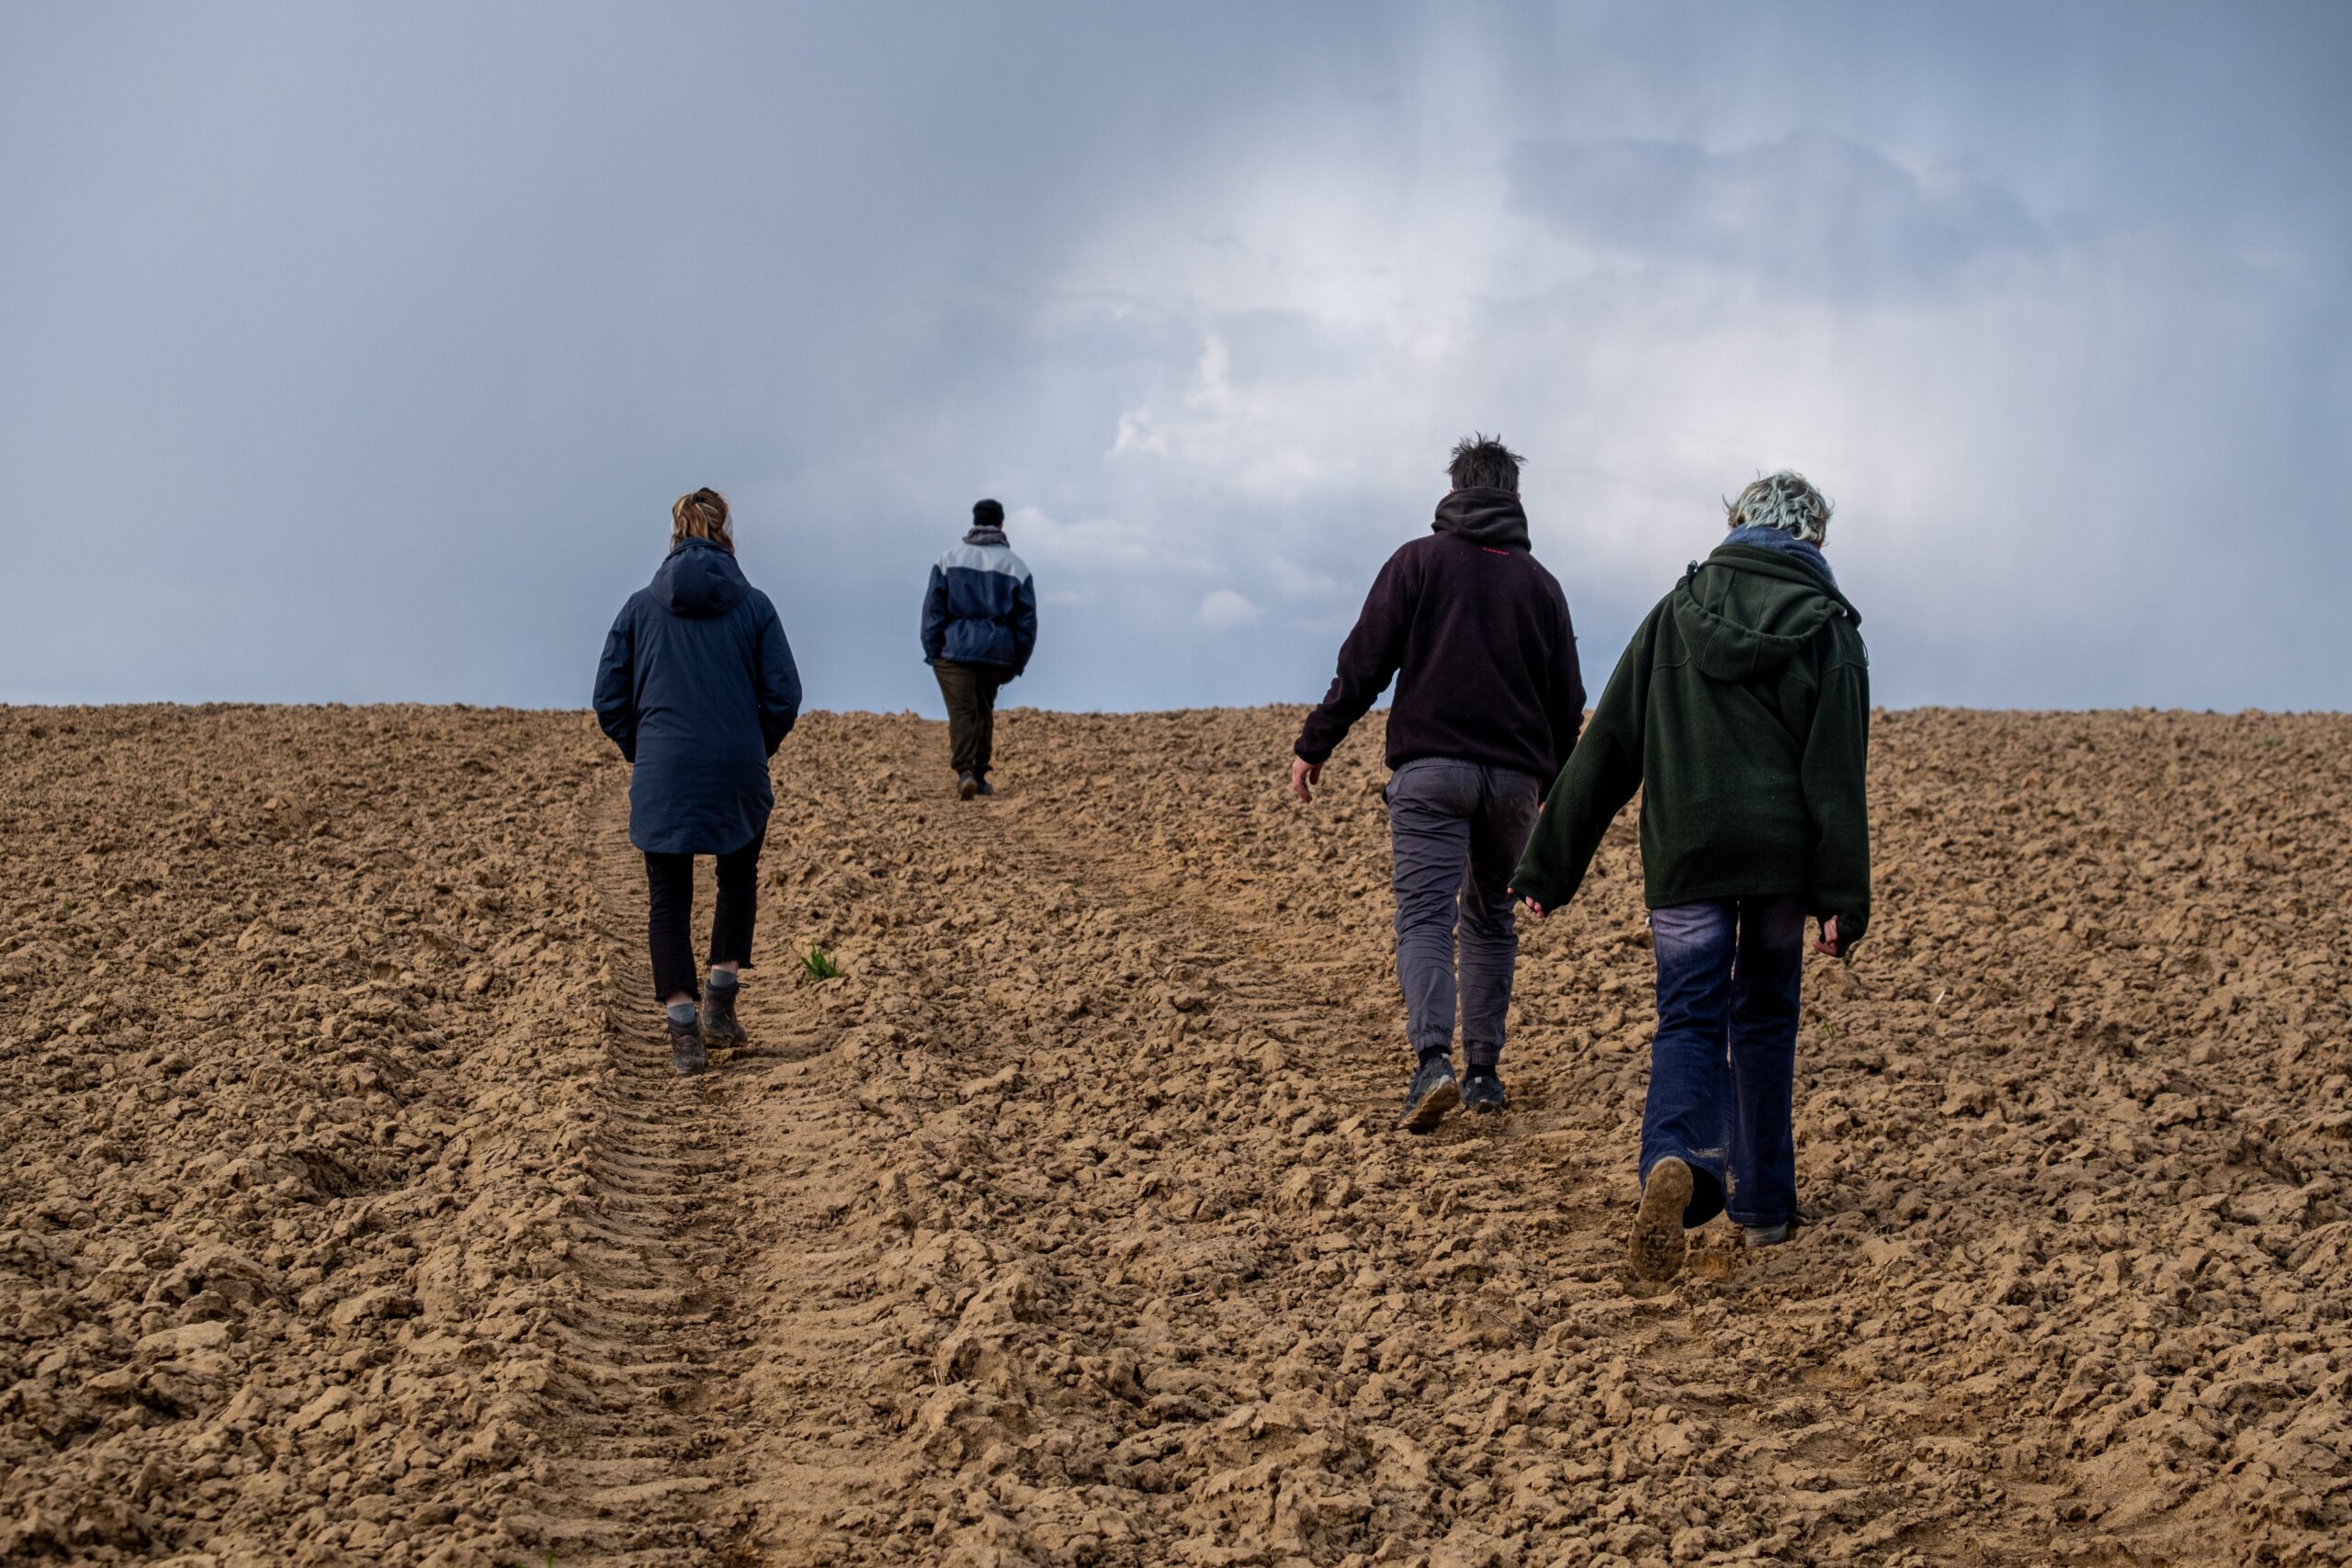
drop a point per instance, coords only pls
(966, 787)
(1767, 1235)
(1658, 1243)
(720, 1024)
(687, 1053)
(1431, 1095)
(982, 786)
(1482, 1093)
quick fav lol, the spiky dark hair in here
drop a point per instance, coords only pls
(1484, 460)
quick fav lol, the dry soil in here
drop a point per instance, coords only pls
(349, 1213)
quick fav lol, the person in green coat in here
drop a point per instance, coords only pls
(1741, 713)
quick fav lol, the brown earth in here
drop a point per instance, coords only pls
(348, 1212)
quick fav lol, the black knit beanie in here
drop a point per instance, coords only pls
(988, 514)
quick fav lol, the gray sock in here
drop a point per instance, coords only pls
(681, 1015)
(723, 980)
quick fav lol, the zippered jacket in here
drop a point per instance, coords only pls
(981, 607)
(698, 688)
(1741, 713)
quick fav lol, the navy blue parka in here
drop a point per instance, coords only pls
(698, 688)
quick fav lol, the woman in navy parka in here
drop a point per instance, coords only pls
(698, 688)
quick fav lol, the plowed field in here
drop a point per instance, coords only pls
(350, 1212)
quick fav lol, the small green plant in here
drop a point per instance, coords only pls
(818, 964)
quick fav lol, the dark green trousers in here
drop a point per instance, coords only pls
(971, 691)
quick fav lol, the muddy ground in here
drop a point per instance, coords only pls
(349, 1213)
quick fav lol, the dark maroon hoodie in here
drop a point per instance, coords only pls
(1478, 637)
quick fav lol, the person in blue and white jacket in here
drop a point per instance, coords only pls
(979, 625)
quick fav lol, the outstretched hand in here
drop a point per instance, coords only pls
(1304, 776)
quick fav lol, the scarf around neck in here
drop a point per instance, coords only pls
(1766, 537)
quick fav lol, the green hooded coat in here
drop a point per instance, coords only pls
(1741, 711)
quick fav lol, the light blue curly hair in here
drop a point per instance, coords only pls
(1786, 500)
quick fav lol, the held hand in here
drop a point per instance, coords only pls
(1829, 943)
(1304, 776)
(1531, 906)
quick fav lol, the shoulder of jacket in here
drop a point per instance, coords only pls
(1414, 555)
(994, 558)
(1846, 647)
(1659, 632)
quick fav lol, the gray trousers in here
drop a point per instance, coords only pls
(1456, 830)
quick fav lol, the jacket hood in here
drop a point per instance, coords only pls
(1747, 610)
(1483, 515)
(699, 580)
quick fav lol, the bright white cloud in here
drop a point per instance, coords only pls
(1224, 609)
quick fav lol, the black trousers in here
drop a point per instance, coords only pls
(670, 904)
(971, 691)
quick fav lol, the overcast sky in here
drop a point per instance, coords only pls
(357, 352)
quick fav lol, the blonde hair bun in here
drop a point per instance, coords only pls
(702, 515)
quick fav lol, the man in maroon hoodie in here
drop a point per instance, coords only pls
(1489, 703)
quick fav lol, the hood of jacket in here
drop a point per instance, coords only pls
(1747, 610)
(699, 580)
(1483, 515)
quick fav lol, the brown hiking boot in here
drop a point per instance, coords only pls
(1658, 1243)
(687, 1053)
(720, 1024)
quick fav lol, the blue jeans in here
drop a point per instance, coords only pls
(1723, 1067)
(1456, 831)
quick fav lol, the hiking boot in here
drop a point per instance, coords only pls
(1431, 1094)
(687, 1053)
(1768, 1236)
(1482, 1093)
(966, 787)
(720, 1024)
(1658, 1243)
(985, 789)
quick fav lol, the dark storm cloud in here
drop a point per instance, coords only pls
(357, 353)
(1812, 213)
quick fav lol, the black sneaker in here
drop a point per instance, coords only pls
(720, 1024)
(1482, 1093)
(687, 1053)
(1432, 1093)
(986, 789)
(966, 787)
